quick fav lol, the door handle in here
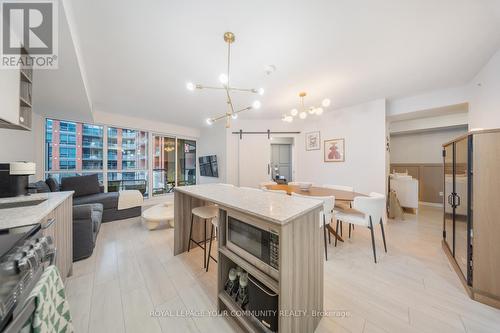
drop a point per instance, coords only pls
(268, 168)
(449, 200)
(458, 197)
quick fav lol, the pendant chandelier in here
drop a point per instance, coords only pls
(224, 79)
(304, 111)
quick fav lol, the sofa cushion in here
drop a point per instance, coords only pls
(108, 200)
(82, 185)
(52, 184)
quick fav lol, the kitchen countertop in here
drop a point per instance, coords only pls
(274, 207)
(21, 216)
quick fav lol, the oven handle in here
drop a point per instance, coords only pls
(257, 283)
(20, 320)
(48, 224)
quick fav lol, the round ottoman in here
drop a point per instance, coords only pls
(153, 216)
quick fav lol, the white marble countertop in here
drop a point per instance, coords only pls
(274, 207)
(21, 216)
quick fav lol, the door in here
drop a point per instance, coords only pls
(460, 202)
(281, 161)
(254, 152)
(449, 210)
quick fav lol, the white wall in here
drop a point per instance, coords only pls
(423, 147)
(485, 96)
(17, 145)
(212, 141)
(363, 127)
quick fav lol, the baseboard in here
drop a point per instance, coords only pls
(430, 204)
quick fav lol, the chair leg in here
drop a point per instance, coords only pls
(328, 232)
(350, 230)
(190, 232)
(337, 231)
(205, 244)
(341, 228)
(210, 246)
(373, 241)
(324, 236)
(383, 234)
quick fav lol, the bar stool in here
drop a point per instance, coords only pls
(205, 213)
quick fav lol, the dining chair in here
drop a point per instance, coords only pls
(371, 212)
(341, 188)
(325, 215)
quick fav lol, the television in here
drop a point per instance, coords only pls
(208, 166)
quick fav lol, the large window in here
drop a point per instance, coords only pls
(120, 160)
(186, 162)
(69, 150)
(127, 160)
(163, 164)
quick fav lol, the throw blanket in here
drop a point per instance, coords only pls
(129, 199)
(52, 309)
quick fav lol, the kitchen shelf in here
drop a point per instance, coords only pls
(246, 266)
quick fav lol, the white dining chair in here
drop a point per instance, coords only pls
(325, 215)
(341, 188)
(372, 212)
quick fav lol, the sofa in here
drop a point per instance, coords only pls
(88, 191)
(86, 224)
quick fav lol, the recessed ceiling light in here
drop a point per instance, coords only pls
(269, 69)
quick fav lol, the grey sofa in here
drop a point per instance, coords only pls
(88, 191)
(86, 224)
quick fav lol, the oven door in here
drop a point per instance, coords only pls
(251, 239)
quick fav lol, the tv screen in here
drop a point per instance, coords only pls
(208, 166)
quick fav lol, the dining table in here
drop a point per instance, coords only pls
(343, 199)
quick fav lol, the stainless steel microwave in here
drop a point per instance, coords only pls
(256, 245)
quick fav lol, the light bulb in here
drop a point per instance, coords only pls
(303, 115)
(256, 105)
(312, 110)
(223, 78)
(260, 91)
(210, 121)
(319, 111)
(190, 86)
(234, 116)
(294, 112)
(326, 103)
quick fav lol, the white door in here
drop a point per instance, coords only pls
(254, 153)
(281, 161)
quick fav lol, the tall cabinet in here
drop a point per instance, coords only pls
(471, 222)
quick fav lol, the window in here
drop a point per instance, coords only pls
(163, 164)
(72, 146)
(127, 150)
(186, 162)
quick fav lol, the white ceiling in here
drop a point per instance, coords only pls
(138, 55)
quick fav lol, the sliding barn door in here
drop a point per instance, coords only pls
(254, 155)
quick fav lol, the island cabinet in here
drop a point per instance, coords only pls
(58, 224)
(277, 240)
(471, 215)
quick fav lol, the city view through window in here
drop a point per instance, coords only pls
(120, 159)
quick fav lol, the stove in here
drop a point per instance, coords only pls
(24, 254)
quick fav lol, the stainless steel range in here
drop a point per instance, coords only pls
(24, 254)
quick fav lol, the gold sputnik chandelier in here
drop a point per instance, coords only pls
(304, 111)
(224, 79)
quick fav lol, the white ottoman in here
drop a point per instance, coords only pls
(153, 216)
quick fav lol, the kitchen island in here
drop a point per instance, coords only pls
(293, 224)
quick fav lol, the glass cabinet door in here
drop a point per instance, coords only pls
(448, 196)
(460, 201)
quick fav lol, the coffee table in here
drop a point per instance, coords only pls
(154, 216)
